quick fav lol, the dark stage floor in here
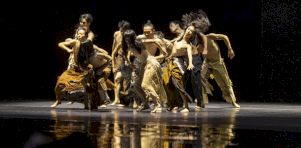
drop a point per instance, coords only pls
(25, 124)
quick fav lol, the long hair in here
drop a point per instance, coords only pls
(195, 38)
(159, 34)
(197, 19)
(130, 37)
(128, 40)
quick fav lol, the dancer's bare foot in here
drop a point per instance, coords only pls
(157, 110)
(198, 108)
(114, 103)
(143, 107)
(235, 105)
(69, 103)
(175, 110)
(185, 110)
(119, 105)
(135, 105)
(103, 106)
(55, 104)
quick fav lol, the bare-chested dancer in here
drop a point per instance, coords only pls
(156, 48)
(152, 43)
(101, 63)
(214, 65)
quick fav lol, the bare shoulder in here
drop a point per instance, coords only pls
(117, 33)
(211, 34)
(72, 41)
(215, 36)
(91, 33)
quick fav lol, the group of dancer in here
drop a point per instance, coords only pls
(149, 70)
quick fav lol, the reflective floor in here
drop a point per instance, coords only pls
(33, 124)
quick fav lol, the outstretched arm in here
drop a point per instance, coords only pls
(226, 40)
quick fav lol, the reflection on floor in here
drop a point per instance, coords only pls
(30, 124)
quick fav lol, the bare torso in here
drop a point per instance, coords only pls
(97, 60)
(118, 40)
(213, 51)
(195, 50)
(75, 49)
(151, 46)
(180, 48)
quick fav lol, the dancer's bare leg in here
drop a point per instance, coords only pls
(117, 89)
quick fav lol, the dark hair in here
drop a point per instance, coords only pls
(124, 25)
(84, 53)
(197, 19)
(160, 34)
(130, 36)
(80, 28)
(195, 38)
(86, 16)
(149, 23)
(177, 22)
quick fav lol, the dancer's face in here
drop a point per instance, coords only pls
(173, 27)
(148, 31)
(189, 31)
(80, 34)
(84, 23)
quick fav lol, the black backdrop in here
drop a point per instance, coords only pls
(263, 34)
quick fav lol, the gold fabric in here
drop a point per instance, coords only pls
(152, 82)
(72, 79)
(219, 72)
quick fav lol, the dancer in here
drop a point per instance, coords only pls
(152, 74)
(214, 65)
(120, 64)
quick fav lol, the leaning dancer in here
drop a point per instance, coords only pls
(214, 65)
(197, 23)
(101, 63)
(177, 63)
(173, 75)
(74, 79)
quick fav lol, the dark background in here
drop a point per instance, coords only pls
(264, 36)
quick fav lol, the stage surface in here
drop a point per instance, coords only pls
(34, 123)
